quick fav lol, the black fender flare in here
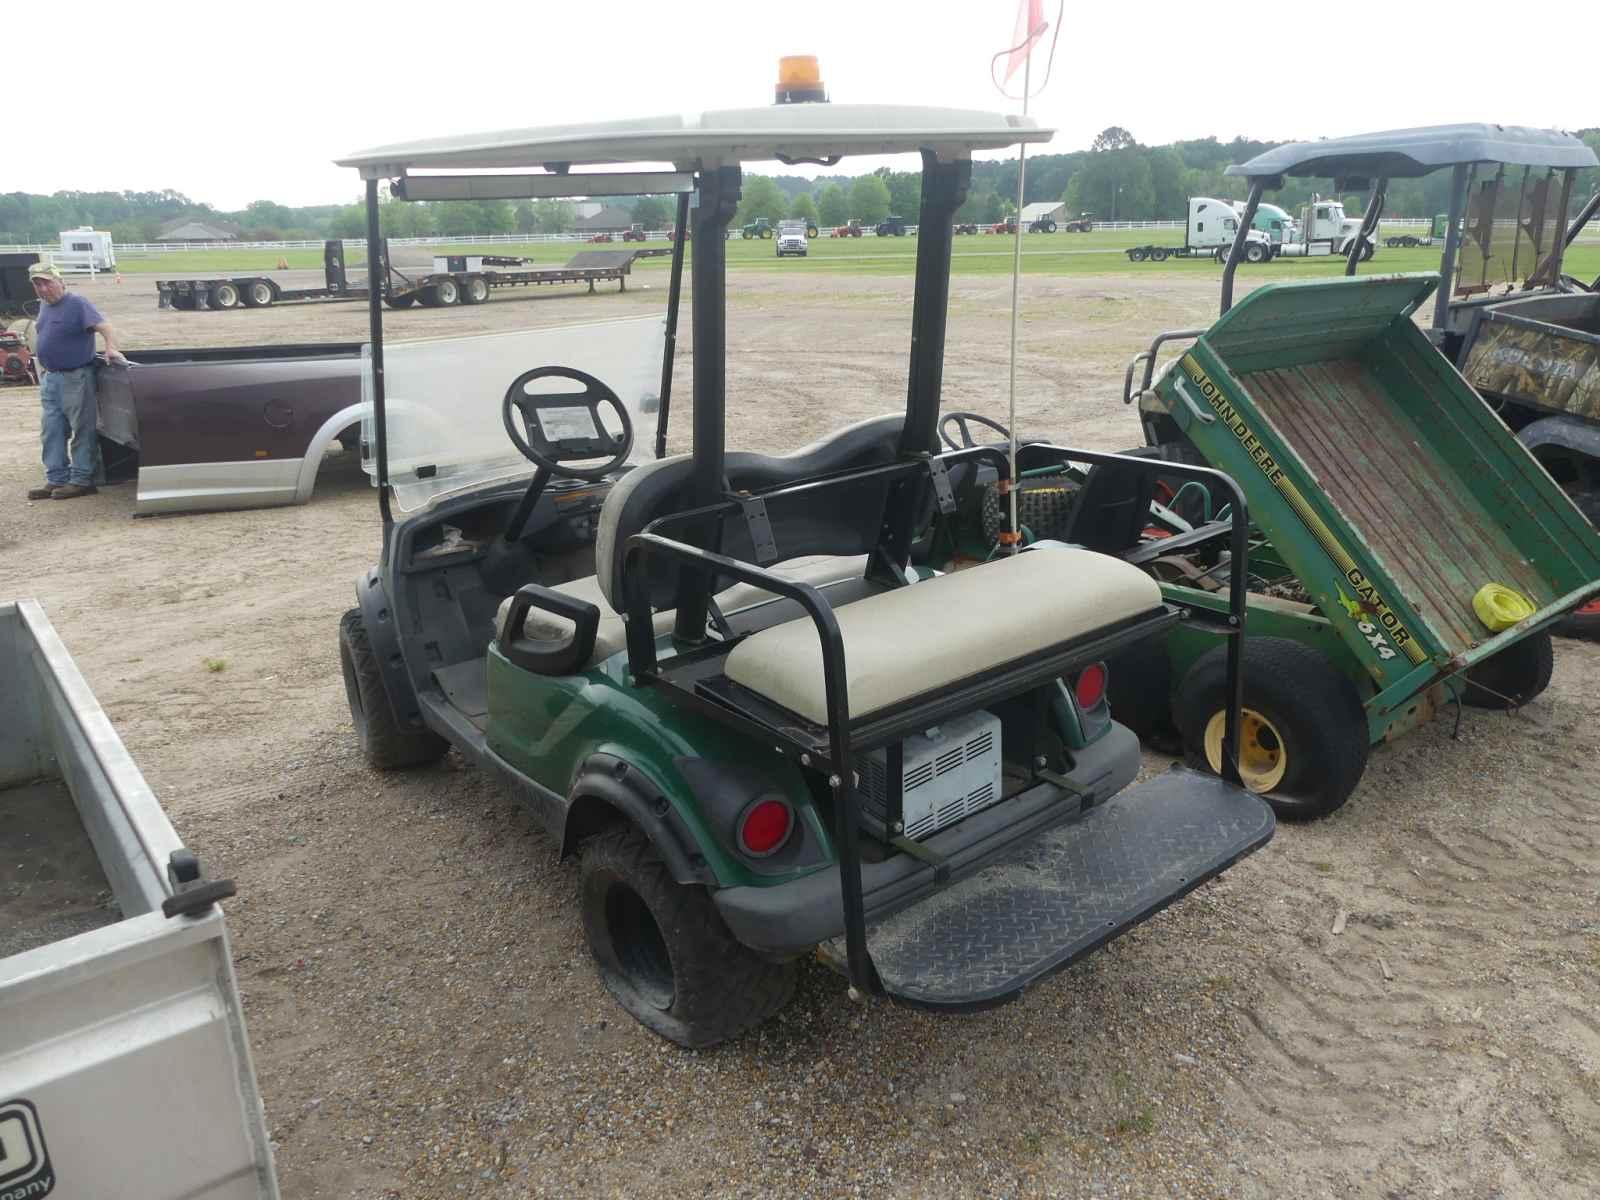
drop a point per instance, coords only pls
(1567, 432)
(606, 786)
(377, 614)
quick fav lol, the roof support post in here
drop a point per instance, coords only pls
(375, 284)
(944, 189)
(1369, 223)
(1235, 252)
(1452, 243)
(718, 194)
(680, 235)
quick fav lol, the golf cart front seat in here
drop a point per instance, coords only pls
(820, 553)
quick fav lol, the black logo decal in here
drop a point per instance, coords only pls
(25, 1172)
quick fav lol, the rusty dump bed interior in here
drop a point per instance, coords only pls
(1417, 481)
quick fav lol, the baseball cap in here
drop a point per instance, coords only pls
(44, 271)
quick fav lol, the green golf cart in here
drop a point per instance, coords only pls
(739, 686)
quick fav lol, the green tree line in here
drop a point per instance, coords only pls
(1116, 178)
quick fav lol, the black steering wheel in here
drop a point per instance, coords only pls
(960, 419)
(560, 428)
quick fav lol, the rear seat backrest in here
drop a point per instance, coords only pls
(842, 522)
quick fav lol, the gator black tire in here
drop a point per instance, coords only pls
(1312, 708)
(1513, 677)
(1139, 690)
(384, 742)
(1582, 623)
(663, 950)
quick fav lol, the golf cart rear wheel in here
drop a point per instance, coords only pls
(1513, 677)
(384, 742)
(1303, 743)
(663, 950)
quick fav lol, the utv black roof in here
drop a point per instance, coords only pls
(1409, 153)
(1372, 159)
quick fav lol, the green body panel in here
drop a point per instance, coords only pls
(545, 726)
(1380, 478)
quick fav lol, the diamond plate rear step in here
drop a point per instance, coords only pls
(1042, 906)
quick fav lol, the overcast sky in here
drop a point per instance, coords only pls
(228, 106)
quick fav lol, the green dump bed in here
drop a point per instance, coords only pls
(1379, 475)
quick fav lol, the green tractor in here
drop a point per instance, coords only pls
(741, 688)
(759, 228)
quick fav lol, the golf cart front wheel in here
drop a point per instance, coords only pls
(1303, 740)
(385, 743)
(1513, 677)
(663, 950)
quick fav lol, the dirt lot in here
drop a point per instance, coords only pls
(425, 1018)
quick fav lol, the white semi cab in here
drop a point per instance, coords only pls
(124, 1069)
(1323, 229)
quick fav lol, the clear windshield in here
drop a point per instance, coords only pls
(443, 399)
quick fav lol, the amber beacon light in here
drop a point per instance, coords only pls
(800, 80)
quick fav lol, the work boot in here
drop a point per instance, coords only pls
(71, 491)
(43, 493)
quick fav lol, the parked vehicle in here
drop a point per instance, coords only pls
(634, 234)
(965, 227)
(124, 1065)
(601, 237)
(1007, 226)
(86, 249)
(891, 226)
(792, 239)
(1042, 225)
(1324, 229)
(454, 279)
(852, 228)
(1406, 241)
(1279, 227)
(759, 228)
(1082, 223)
(1210, 227)
(741, 793)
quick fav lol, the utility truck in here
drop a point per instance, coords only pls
(753, 699)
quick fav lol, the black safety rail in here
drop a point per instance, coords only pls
(694, 677)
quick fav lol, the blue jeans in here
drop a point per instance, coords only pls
(71, 411)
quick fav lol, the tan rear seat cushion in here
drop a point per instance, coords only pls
(931, 634)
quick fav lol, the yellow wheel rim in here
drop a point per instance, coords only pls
(1263, 758)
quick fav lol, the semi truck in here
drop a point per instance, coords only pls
(1323, 229)
(1210, 227)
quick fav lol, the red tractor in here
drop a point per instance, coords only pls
(603, 237)
(853, 229)
(1006, 226)
(966, 227)
(635, 234)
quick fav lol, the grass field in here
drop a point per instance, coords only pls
(1100, 253)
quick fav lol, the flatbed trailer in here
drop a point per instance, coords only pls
(455, 279)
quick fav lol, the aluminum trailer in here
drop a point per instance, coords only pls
(124, 1067)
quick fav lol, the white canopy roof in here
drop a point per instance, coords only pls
(726, 136)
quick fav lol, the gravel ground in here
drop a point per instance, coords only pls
(425, 1016)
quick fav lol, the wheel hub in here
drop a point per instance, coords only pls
(1263, 758)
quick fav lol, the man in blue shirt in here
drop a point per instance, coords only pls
(65, 328)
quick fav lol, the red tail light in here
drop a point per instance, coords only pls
(765, 826)
(1090, 688)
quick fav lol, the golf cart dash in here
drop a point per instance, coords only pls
(741, 687)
